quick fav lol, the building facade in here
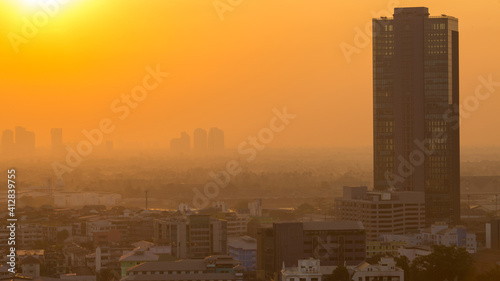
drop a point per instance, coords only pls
(382, 212)
(331, 242)
(196, 236)
(244, 249)
(416, 96)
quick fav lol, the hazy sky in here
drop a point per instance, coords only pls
(226, 73)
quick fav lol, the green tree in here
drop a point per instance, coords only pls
(444, 263)
(62, 235)
(492, 275)
(341, 274)
(404, 263)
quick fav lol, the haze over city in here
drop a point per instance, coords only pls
(246, 140)
(228, 74)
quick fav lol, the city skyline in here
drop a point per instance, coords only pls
(317, 89)
(239, 140)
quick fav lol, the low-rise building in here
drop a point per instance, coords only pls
(413, 252)
(312, 270)
(307, 270)
(386, 269)
(244, 249)
(438, 234)
(142, 254)
(211, 268)
(381, 248)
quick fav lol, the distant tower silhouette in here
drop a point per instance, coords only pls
(200, 139)
(215, 140)
(25, 141)
(181, 145)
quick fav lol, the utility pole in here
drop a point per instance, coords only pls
(468, 205)
(147, 199)
(496, 205)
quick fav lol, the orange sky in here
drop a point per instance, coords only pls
(229, 74)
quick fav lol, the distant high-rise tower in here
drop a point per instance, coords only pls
(25, 141)
(7, 142)
(56, 140)
(415, 91)
(200, 140)
(181, 145)
(215, 140)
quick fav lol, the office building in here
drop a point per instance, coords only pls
(382, 212)
(196, 236)
(493, 234)
(181, 145)
(200, 141)
(416, 96)
(331, 242)
(25, 141)
(244, 249)
(215, 140)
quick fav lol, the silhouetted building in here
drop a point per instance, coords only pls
(331, 242)
(7, 142)
(56, 137)
(196, 236)
(25, 141)
(181, 145)
(416, 96)
(200, 141)
(215, 140)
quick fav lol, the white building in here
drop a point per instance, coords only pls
(98, 226)
(311, 270)
(438, 234)
(255, 208)
(308, 270)
(386, 269)
(413, 252)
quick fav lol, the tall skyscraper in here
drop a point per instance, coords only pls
(215, 140)
(200, 139)
(56, 140)
(415, 93)
(25, 141)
